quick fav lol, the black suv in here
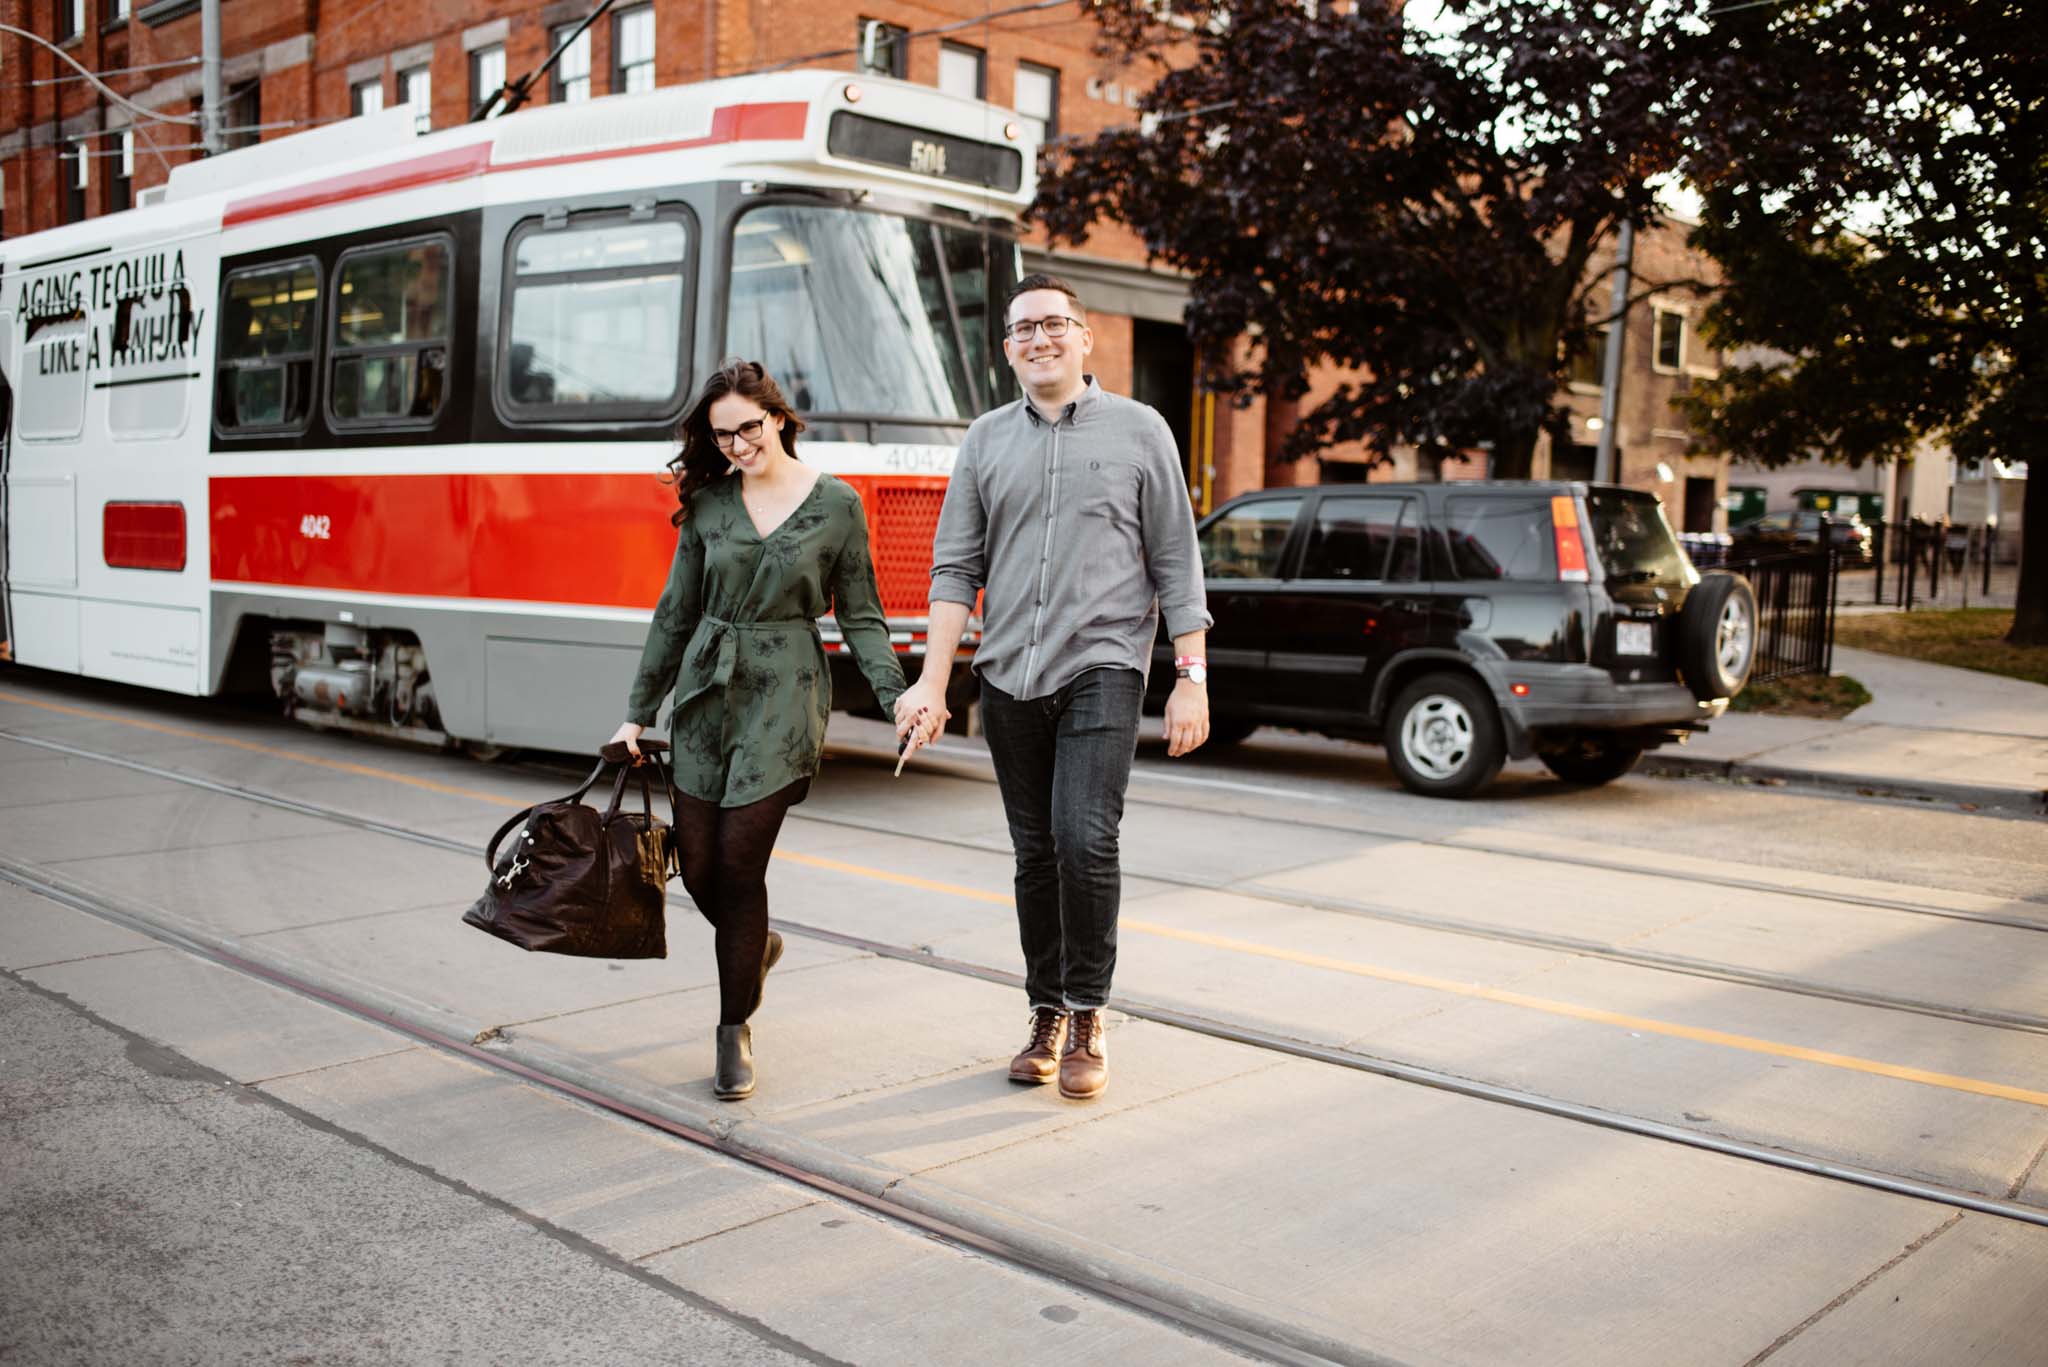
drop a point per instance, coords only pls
(1464, 623)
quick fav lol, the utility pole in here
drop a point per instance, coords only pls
(209, 77)
(1617, 338)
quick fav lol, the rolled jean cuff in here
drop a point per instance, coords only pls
(1072, 1005)
(1047, 1006)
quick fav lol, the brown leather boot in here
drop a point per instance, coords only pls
(1040, 1061)
(1084, 1068)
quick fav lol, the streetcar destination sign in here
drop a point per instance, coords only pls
(924, 152)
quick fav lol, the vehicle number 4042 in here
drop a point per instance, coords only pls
(315, 526)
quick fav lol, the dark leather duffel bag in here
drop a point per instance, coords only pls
(580, 881)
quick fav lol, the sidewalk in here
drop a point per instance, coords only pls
(1930, 733)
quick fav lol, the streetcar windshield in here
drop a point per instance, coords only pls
(871, 315)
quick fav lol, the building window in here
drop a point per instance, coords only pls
(416, 88)
(486, 76)
(70, 19)
(366, 97)
(1038, 100)
(963, 70)
(77, 168)
(270, 322)
(242, 116)
(121, 184)
(1669, 346)
(633, 50)
(390, 358)
(884, 49)
(117, 12)
(570, 80)
(1589, 367)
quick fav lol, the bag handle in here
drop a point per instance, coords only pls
(607, 754)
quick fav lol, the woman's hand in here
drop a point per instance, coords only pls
(628, 735)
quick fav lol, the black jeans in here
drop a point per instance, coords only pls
(1063, 762)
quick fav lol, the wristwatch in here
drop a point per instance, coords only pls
(1193, 668)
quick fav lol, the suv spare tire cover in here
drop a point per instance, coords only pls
(1717, 636)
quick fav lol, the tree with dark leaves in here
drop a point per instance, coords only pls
(1890, 262)
(1417, 210)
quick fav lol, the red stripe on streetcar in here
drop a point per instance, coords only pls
(457, 163)
(591, 539)
(783, 122)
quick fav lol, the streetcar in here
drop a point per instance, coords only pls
(376, 420)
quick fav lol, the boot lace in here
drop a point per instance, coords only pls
(1084, 1030)
(1045, 1028)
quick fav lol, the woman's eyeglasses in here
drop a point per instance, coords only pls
(1055, 326)
(750, 430)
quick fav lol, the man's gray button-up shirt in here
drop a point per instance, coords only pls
(1081, 533)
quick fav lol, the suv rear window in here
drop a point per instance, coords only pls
(1632, 539)
(1502, 538)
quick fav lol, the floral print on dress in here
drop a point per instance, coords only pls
(734, 639)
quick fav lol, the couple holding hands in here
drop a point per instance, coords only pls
(1068, 507)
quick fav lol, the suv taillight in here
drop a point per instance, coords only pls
(1571, 548)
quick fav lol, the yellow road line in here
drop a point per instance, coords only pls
(1545, 1005)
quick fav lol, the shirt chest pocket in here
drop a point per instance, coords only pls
(1107, 488)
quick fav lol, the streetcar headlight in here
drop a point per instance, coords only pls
(852, 92)
(1012, 131)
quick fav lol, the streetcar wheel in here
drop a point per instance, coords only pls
(1443, 736)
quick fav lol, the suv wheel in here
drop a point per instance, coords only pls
(1443, 736)
(1589, 758)
(1717, 636)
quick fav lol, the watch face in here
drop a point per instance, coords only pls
(1195, 674)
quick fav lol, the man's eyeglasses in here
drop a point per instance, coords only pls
(1055, 326)
(750, 430)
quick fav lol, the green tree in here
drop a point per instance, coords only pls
(1416, 208)
(1889, 260)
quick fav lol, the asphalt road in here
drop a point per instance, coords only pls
(1667, 1071)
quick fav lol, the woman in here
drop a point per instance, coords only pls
(765, 546)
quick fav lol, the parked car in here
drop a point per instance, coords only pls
(1462, 624)
(1778, 533)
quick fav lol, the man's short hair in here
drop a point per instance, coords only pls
(1042, 282)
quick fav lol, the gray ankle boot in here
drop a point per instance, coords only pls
(734, 1078)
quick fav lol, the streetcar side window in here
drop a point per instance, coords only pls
(389, 363)
(270, 326)
(53, 359)
(594, 318)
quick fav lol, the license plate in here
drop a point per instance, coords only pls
(1635, 638)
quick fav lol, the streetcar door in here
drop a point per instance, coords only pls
(6, 445)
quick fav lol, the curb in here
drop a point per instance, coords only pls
(990, 1229)
(2003, 799)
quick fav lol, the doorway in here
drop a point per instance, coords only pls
(1163, 375)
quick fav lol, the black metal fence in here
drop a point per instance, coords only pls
(1942, 564)
(1795, 605)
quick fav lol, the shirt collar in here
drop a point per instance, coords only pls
(1076, 411)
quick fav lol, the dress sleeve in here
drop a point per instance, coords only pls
(857, 606)
(675, 620)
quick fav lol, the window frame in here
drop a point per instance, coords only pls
(221, 363)
(477, 93)
(1290, 544)
(1052, 118)
(1658, 313)
(336, 353)
(556, 83)
(116, 13)
(356, 92)
(121, 172)
(77, 180)
(1408, 520)
(979, 56)
(69, 20)
(423, 117)
(619, 67)
(528, 416)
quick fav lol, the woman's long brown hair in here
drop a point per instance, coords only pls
(699, 463)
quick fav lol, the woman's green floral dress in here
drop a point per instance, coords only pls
(736, 635)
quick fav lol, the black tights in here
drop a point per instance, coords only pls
(725, 854)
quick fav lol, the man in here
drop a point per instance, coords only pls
(1070, 509)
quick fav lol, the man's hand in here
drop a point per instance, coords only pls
(1187, 717)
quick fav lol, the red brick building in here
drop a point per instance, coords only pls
(67, 151)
